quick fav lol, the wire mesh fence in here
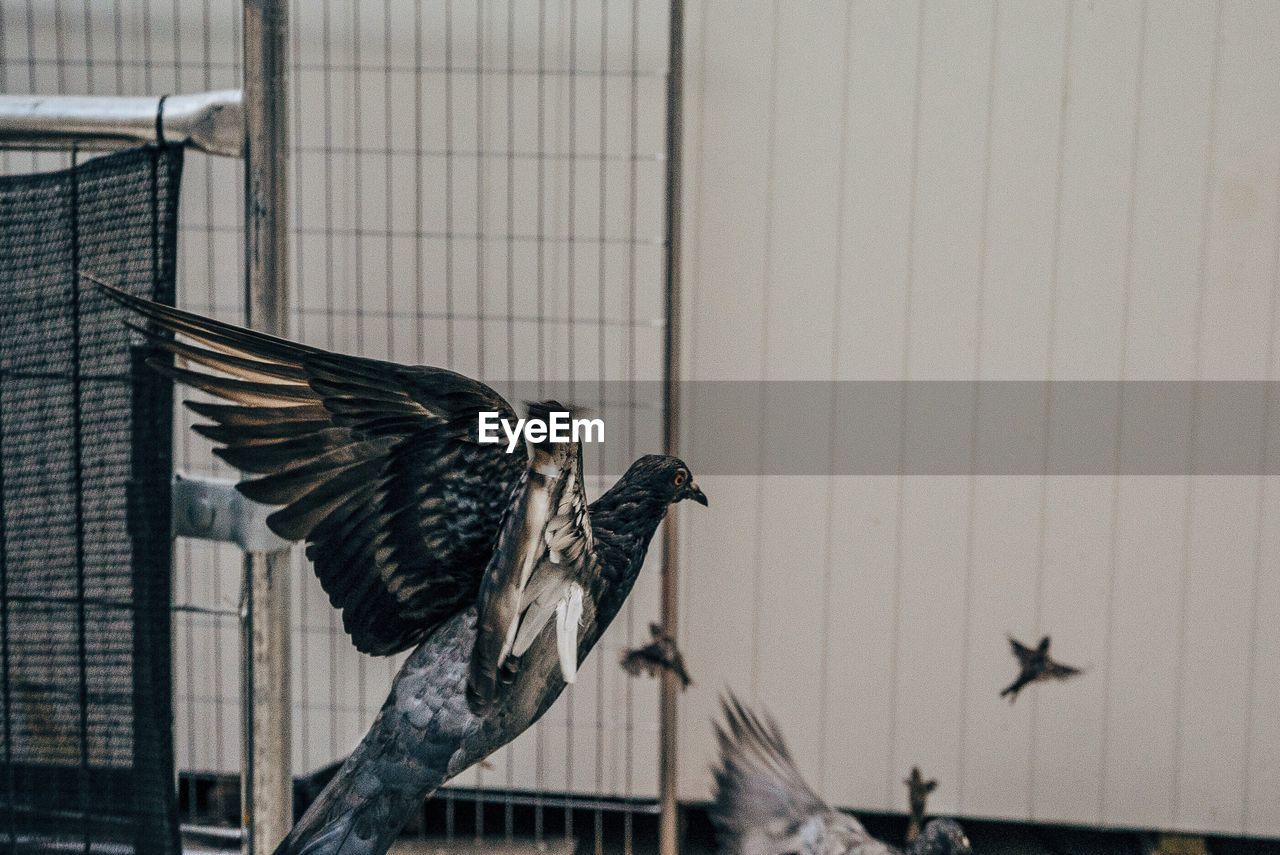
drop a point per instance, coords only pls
(85, 686)
(476, 184)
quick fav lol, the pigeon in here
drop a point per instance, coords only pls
(1035, 664)
(408, 518)
(661, 654)
(762, 805)
(918, 790)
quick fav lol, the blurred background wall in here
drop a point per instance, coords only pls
(1040, 189)
(995, 191)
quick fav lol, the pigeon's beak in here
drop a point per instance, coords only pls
(697, 495)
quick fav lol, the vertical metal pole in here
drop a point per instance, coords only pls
(669, 693)
(267, 786)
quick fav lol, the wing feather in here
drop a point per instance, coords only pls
(234, 417)
(762, 803)
(1058, 671)
(236, 366)
(374, 464)
(246, 392)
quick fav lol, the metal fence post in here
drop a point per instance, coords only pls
(267, 785)
(669, 693)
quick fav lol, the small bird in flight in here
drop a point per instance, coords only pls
(918, 790)
(657, 656)
(763, 806)
(1035, 664)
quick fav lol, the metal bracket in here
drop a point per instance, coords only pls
(213, 509)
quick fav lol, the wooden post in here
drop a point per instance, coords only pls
(268, 785)
(669, 691)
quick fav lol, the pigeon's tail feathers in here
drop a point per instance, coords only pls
(360, 812)
(403, 758)
(329, 824)
(329, 838)
(758, 789)
(360, 832)
(307, 788)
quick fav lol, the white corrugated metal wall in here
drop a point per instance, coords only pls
(992, 190)
(873, 191)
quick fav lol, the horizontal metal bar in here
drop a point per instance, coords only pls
(210, 833)
(548, 800)
(49, 843)
(212, 122)
(187, 609)
(213, 509)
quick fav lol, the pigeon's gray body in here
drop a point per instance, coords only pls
(763, 806)
(409, 751)
(424, 734)
(427, 732)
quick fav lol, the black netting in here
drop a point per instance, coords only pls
(86, 751)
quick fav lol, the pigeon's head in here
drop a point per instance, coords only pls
(943, 837)
(665, 476)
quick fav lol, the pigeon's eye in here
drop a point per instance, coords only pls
(681, 476)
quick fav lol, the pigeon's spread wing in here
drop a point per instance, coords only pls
(659, 655)
(1058, 671)
(544, 551)
(1025, 654)
(642, 660)
(762, 804)
(374, 464)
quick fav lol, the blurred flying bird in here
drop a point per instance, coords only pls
(918, 790)
(1035, 664)
(762, 805)
(660, 654)
(411, 523)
